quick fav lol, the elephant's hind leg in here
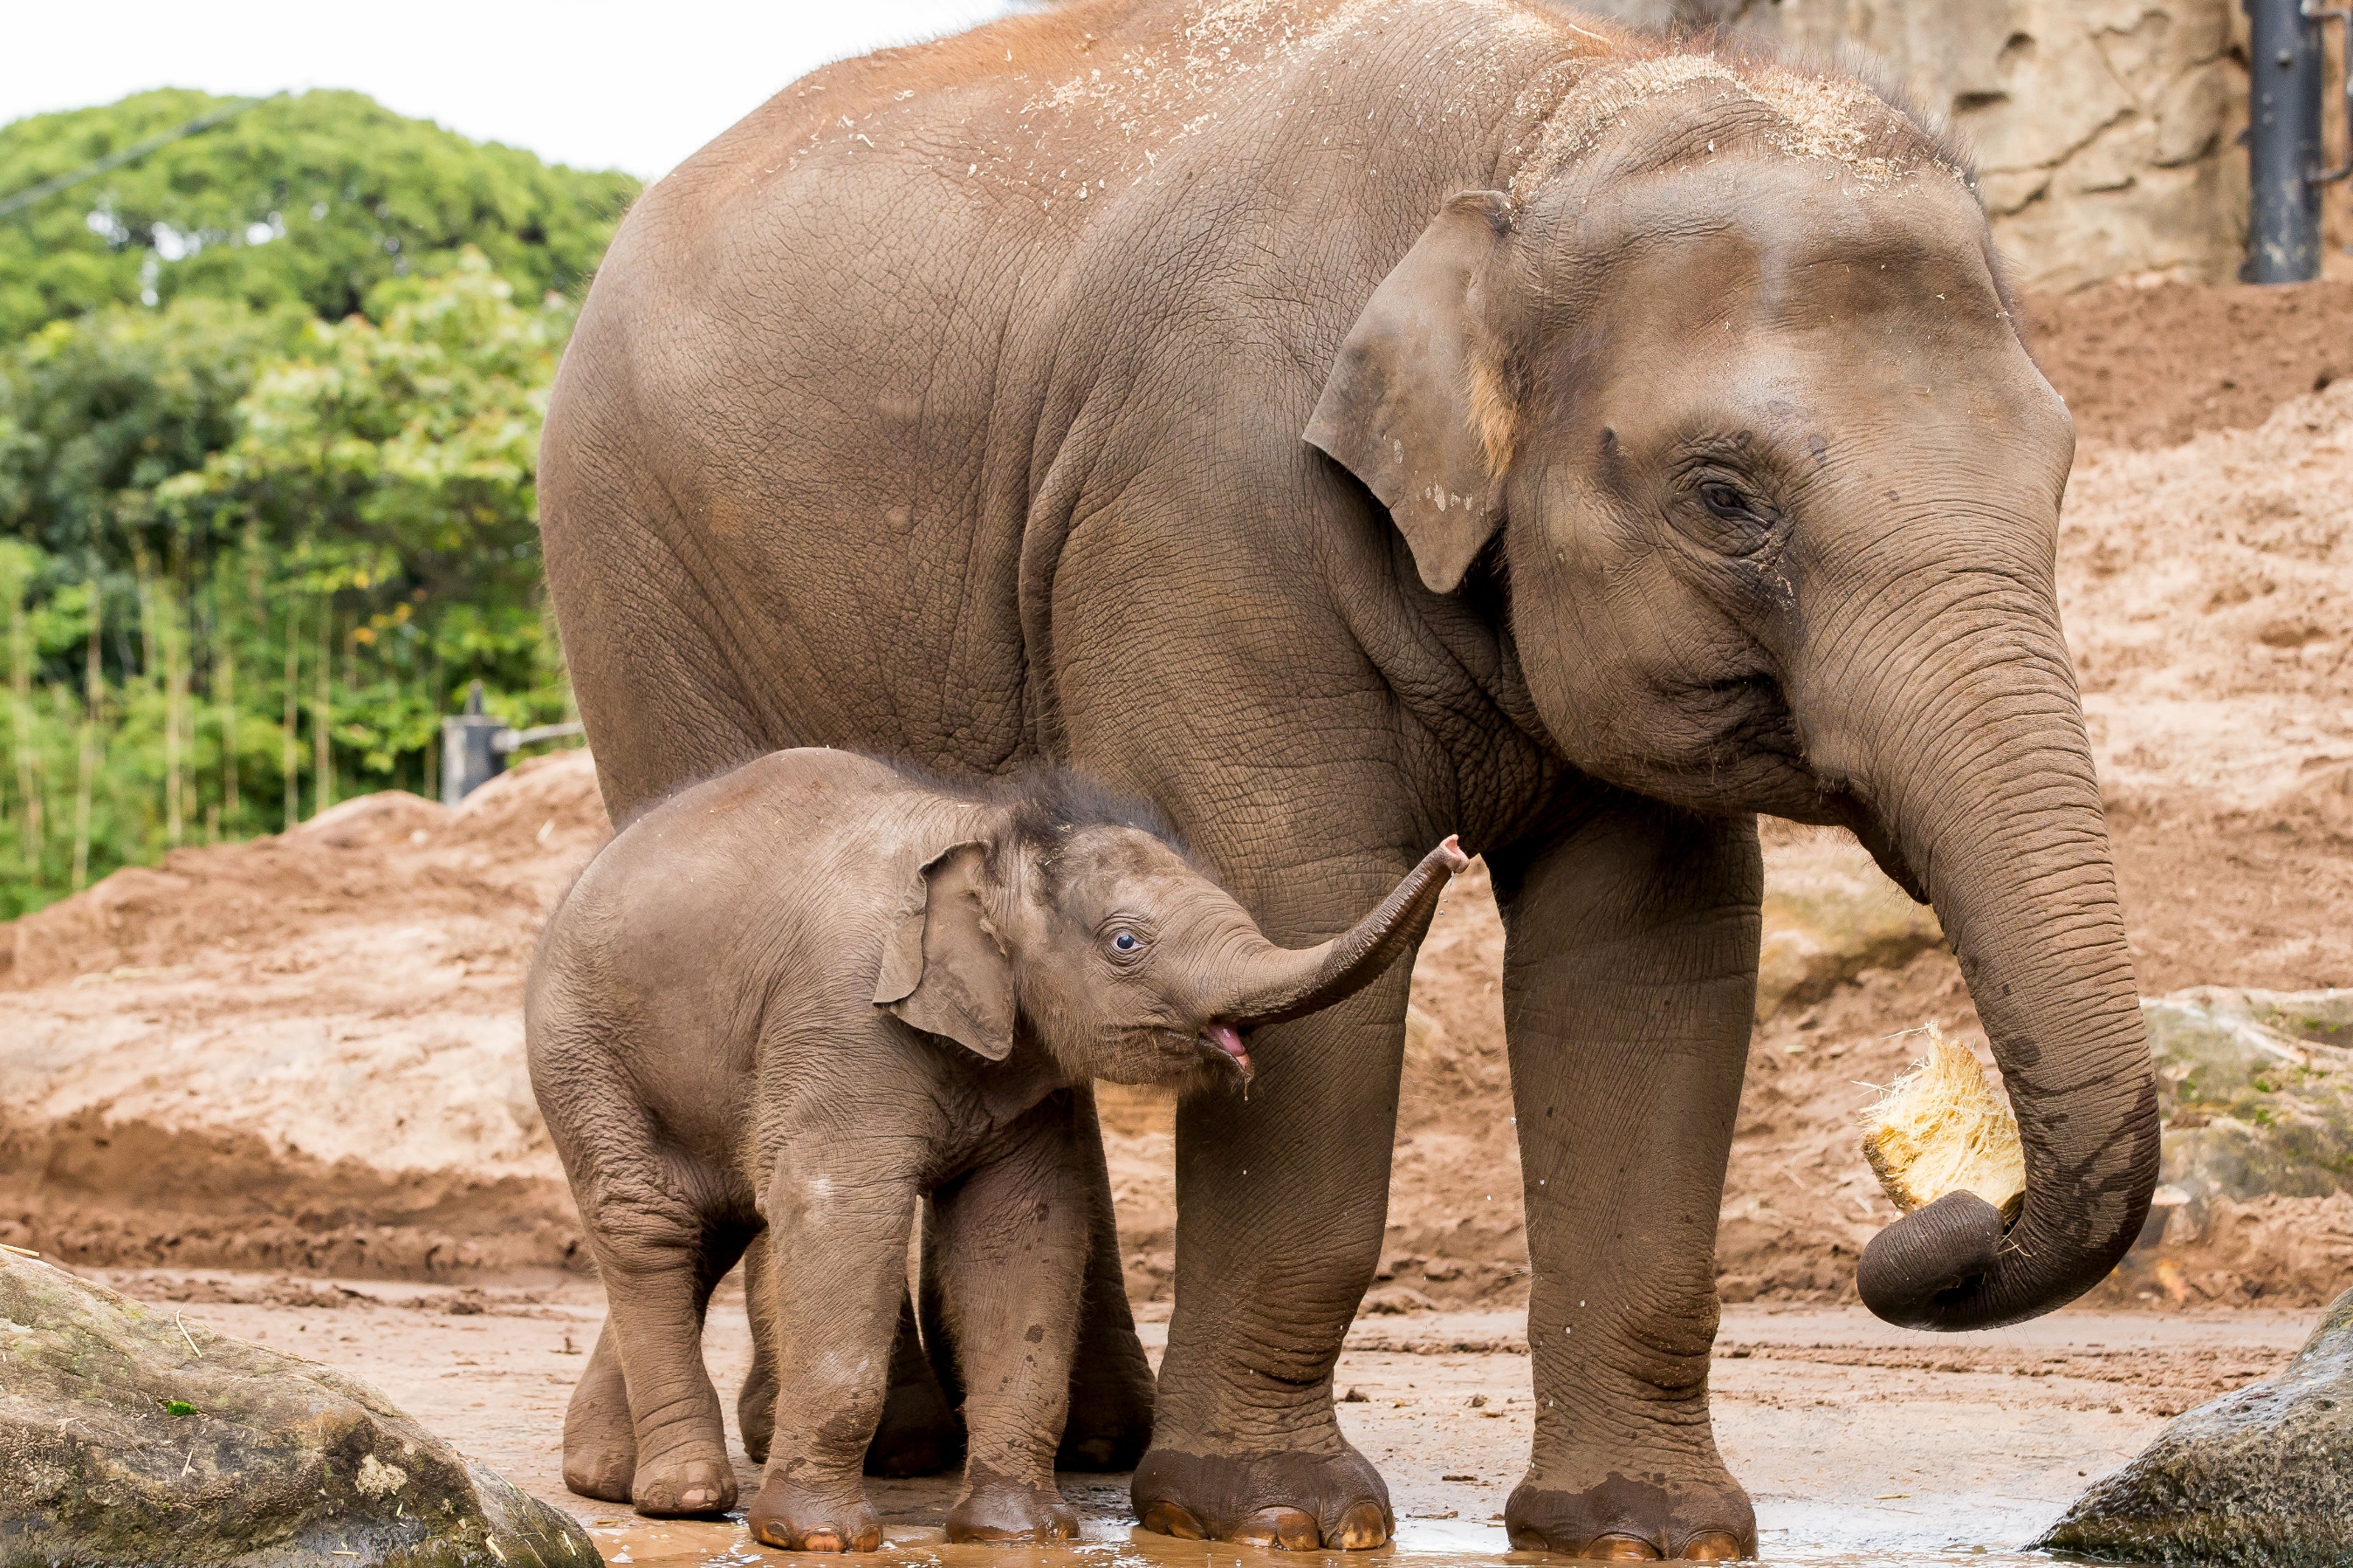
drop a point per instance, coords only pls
(1109, 1423)
(921, 1433)
(756, 1402)
(660, 1261)
(600, 1450)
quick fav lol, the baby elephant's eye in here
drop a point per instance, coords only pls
(1125, 941)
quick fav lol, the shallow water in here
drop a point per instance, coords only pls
(1803, 1536)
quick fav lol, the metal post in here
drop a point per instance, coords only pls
(2284, 68)
(471, 754)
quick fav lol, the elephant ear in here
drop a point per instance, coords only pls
(1410, 407)
(944, 969)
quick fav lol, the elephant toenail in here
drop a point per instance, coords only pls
(821, 1541)
(1615, 1548)
(1291, 1528)
(1712, 1546)
(1169, 1519)
(1362, 1528)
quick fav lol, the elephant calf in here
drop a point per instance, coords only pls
(810, 992)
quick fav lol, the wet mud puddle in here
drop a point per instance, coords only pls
(1825, 1541)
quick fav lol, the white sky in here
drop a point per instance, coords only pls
(592, 83)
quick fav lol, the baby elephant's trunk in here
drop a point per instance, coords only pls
(1280, 982)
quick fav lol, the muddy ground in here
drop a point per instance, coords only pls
(1853, 1436)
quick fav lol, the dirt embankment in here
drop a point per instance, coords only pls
(305, 1053)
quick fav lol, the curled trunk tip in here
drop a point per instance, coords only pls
(1295, 983)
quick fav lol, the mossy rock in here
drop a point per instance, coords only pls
(2257, 1479)
(130, 1438)
(2257, 1088)
(1830, 913)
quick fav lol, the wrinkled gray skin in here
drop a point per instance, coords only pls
(1670, 457)
(810, 994)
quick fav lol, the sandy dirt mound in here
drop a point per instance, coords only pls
(2152, 367)
(300, 1052)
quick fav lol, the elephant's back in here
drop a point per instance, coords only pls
(770, 886)
(853, 377)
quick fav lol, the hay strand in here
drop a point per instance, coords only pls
(1940, 1128)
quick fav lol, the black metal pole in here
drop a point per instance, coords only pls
(471, 756)
(2284, 87)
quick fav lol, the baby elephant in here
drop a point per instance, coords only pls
(807, 993)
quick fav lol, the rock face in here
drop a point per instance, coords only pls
(2258, 1089)
(130, 1436)
(1830, 914)
(2257, 1478)
(2104, 130)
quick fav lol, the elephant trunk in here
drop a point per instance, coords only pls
(1276, 983)
(1987, 806)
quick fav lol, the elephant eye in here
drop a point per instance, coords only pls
(1125, 941)
(1731, 505)
(1738, 523)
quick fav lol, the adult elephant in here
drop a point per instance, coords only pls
(1670, 457)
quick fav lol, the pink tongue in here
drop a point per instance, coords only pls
(1226, 1039)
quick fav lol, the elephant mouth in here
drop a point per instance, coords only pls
(1227, 1041)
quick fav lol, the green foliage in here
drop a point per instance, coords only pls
(269, 408)
(255, 561)
(97, 411)
(310, 200)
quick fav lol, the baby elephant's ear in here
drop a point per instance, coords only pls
(945, 969)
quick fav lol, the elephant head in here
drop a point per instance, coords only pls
(1727, 391)
(1123, 960)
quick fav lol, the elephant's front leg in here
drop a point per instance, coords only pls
(1282, 1198)
(839, 1224)
(1630, 982)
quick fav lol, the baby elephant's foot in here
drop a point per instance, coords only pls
(791, 1518)
(600, 1444)
(680, 1487)
(994, 1510)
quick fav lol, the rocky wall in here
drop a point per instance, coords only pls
(2106, 130)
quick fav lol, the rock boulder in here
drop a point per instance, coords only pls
(129, 1436)
(2256, 1478)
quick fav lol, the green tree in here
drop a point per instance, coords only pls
(226, 648)
(311, 199)
(391, 470)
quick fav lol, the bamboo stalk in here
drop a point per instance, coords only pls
(322, 756)
(30, 836)
(289, 754)
(225, 696)
(93, 693)
(169, 634)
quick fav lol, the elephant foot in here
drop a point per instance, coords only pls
(600, 1444)
(683, 1485)
(1110, 1424)
(603, 1473)
(792, 1518)
(1001, 1512)
(1621, 1519)
(918, 1434)
(1296, 1501)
